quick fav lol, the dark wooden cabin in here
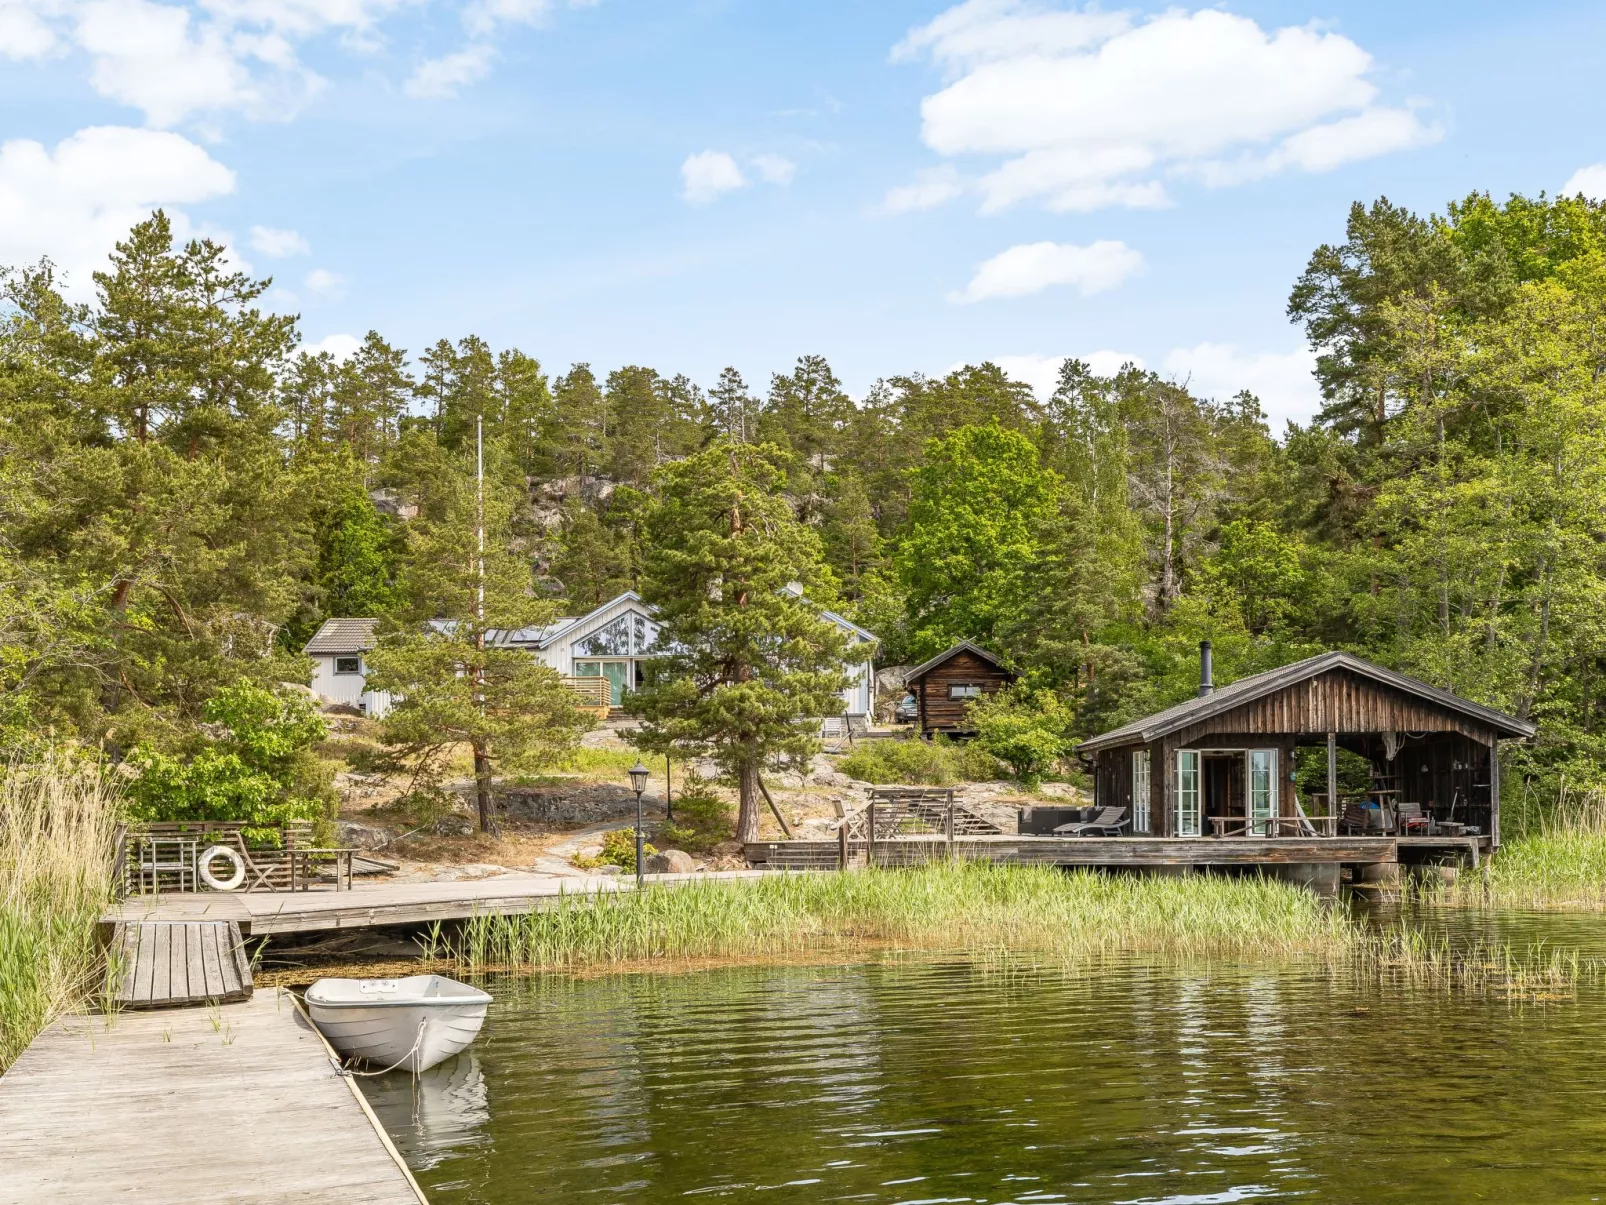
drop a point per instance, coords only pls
(1222, 764)
(947, 684)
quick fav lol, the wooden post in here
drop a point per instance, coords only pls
(780, 819)
(869, 834)
(842, 842)
(1494, 792)
(950, 826)
(669, 792)
(1332, 773)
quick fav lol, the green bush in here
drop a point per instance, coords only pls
(260, 770)
(1025, 729)
(934, 763)
(618, 849)
(702, 821)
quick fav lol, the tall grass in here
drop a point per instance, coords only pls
(971, 907)
(1554, 855)
(58, 821)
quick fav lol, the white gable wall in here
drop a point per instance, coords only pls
(346, 686)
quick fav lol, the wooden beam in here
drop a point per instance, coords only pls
(785, 827)
(1332, 773)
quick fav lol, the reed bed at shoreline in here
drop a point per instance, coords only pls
(961, 907)
(58, 821)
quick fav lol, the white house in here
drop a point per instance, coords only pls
(614, 641)
(340, 673)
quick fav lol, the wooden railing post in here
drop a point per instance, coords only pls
(950, 826)
(842, 842)
(870, 832)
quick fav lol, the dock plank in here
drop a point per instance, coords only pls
(170, 1107)
(179, 963)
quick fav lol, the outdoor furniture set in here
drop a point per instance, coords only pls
(228, 855)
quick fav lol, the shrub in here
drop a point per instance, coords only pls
(1025, 729)
(618, 849)
(261, 768)
(935, 763)
(702, 821)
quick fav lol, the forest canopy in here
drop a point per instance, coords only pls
(186, 493)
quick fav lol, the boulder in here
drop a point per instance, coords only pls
(355, 835)
(670, 861)
(609, 868)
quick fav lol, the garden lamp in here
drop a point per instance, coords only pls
(638, 780)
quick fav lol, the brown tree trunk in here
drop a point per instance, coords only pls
(747, 810)
(482, 785)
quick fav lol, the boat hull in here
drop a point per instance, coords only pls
(400, 1027)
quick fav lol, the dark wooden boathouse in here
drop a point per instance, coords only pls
(1222, 764)
(945, 687)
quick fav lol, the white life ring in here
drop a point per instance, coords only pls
(204, 865)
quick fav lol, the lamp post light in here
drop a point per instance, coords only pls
(638, 780)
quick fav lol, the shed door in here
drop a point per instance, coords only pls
(1262, 792)
(1187, 792)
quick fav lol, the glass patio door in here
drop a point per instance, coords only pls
(617, 673)
(1187, 792)
(1262, 791)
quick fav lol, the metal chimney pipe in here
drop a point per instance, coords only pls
(1207, 686)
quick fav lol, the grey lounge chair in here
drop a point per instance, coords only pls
(1108, 823)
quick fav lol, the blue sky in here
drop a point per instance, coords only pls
(901, 186)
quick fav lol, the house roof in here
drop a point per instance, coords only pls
(850, 626)
(964, 646)
(342, 636)
(559, 628)
(1225, 698)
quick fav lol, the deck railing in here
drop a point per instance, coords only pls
(592, 692)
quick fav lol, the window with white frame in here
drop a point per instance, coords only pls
(348, 665)
(1187, 792)
(963, 690)
(1140, 791)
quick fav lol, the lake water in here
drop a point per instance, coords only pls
(918, 1081)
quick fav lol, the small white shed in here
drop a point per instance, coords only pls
(339, 670)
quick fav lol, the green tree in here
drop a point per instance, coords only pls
(754, 665)
(452, 684)
(981, 506)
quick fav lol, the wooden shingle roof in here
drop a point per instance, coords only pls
(339, 636)
(1226, 698)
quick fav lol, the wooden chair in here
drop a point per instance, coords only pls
(1413, 819)
(1355, 820)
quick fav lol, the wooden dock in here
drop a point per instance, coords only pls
(239, 1104)
(371, 904)
(165, 964)
(1132, 852)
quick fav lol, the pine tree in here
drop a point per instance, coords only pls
(755, 665)
(580, 440)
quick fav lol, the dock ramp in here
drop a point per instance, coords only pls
(169, 964)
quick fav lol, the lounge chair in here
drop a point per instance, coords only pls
(1413, 819)
(1108, 823)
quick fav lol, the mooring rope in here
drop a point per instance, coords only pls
(341, 1068)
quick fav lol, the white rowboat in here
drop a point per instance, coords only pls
(409, 1024)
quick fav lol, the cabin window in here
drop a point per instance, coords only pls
(612, 640)
(1140, 791)
(348, 665)
(1262, 784)
(963, 690)
(1187, 792)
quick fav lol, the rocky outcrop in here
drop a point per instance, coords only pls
(669, 861)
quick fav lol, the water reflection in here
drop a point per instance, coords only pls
(441, 1113)
(949, 1081)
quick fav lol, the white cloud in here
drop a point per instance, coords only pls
(932, 187)
(442, 77)
(1089, 109)
(1282, 381)
(323, 283)
(74, 202)
(23, 32)
(1033, 267)
(278, 244)
(774, 169)
(1591, 181)
(707, 174)
(341, 347)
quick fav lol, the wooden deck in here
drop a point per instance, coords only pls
(163, 964)
(370, 904)
(236, 1104)
(1092, 851)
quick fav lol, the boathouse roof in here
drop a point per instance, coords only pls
(1245, 690)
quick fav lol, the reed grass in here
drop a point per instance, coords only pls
(58, 822)
(1553, 857)
(959, 907)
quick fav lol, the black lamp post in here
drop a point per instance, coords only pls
(638, 780)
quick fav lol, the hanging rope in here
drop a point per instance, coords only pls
(417, 1042)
